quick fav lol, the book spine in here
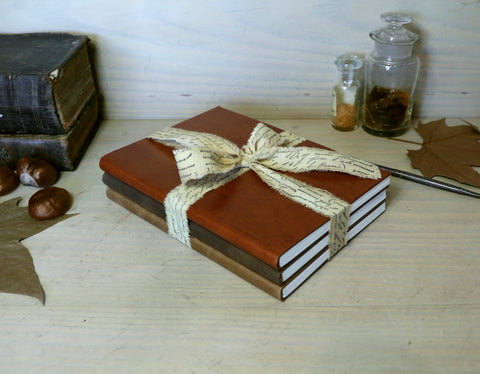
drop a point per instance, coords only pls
(27, 106)
(73, 87)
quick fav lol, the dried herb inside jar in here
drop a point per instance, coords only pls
(386, 108)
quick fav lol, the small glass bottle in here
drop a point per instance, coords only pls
(345, 93)
(391, 73)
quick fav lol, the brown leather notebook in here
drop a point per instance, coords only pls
(244, 212)
(359, 220)
(281, 292)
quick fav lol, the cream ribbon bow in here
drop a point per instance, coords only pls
(206, 162)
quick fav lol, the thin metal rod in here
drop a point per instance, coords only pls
(428, 181)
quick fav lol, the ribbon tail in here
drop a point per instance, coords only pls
(184, 195)
(176, 214)
(338, 231)
(320, 201)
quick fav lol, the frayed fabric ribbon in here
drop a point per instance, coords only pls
(206, 162)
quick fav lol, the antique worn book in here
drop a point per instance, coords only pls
(46, 80)
(64, 151)
(246, 221)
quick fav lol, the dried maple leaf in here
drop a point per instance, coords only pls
(448, 151)
(17, 271)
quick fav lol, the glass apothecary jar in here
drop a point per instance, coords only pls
(391, 72)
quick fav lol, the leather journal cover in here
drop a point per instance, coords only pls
(256, 221)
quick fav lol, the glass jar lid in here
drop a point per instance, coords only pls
(394, 32)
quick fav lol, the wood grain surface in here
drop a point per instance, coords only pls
(124, 297)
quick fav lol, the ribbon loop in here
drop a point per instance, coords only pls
(206, 162)
(196, 163)
(303, 159)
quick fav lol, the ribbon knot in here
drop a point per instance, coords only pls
(249, 156)
(246, 157)
(206, 162)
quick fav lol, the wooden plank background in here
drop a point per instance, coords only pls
(267, 59)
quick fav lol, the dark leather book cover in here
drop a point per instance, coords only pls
(245, 212)
(64, 151)
(46, 79)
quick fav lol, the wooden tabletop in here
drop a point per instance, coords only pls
(124, 297)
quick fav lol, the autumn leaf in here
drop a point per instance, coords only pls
(17, 271)
(448, 151)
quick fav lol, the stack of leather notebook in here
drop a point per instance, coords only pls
(49, 99)
(252, 230)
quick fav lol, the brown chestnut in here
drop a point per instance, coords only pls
(8, 180)
(49, 203)
(36, 172)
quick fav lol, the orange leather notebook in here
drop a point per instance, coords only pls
(245, 212)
